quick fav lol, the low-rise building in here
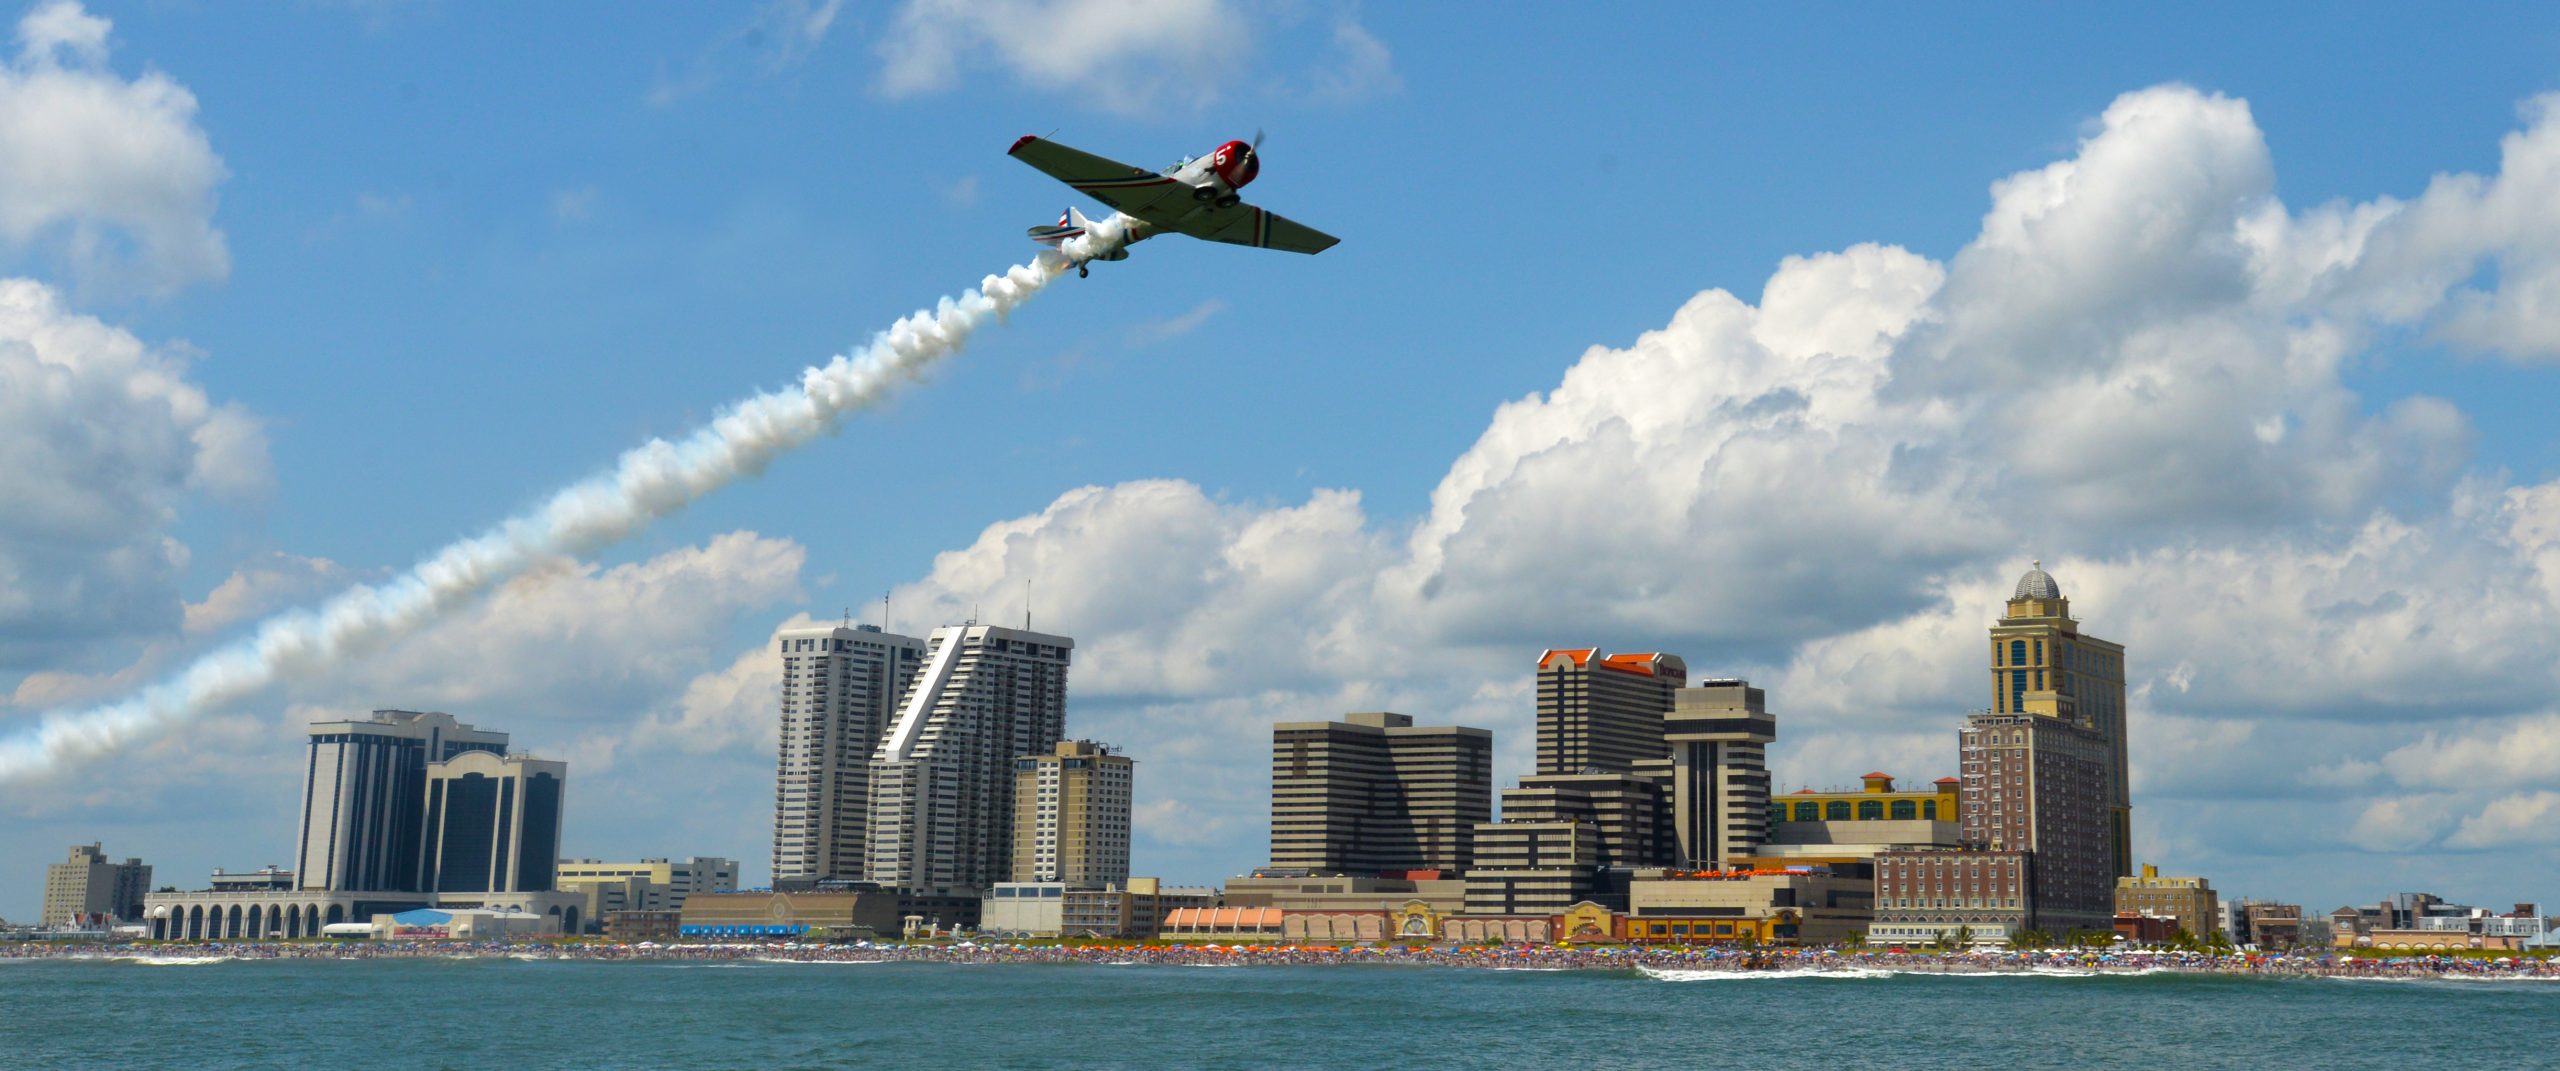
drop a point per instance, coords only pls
(1300, 891)
(1923, 897)
(1063, 909)
(432, 924)
(268, 878)
(2190, 902)
(837, 915)
(1802, 905)
(1228, 925)
(646, 885)
(2135, 927)
(2270, 926)
(633, 927)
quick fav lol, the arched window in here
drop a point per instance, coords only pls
(1870, 810)
(1905, 810)
(1929, 810)
(2017, 652)
(1837, 811)
(1808, 812)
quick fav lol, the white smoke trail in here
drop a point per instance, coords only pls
(649, 482)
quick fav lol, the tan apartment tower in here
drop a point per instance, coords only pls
(2042, 664)
(1374, 793)
(87, 888)
(1602, 713)
(1071, 815)
(1719, 733)
(840, 688)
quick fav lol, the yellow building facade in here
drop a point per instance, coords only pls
(2042, 664)
(1876, 800)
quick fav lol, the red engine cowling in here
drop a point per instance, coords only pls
(1235, 163)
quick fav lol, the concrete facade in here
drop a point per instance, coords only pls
(2039, 784)
(2189, 902)
(646, 885)
(1071, 815)
(1719, 733)
(1373, 793)
(942, 780)
(493, 823)
(364, 797)
(840, 688)
(87, 889)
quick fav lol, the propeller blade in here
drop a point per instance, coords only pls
(1257, 139)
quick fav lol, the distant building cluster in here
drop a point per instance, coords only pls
(929, 785)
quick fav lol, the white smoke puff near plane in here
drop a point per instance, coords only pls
(1194, 197)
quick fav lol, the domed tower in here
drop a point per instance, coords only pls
(2041, 663)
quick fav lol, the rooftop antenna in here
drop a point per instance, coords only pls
(1026, 606)
(848, 617)
(884, 611)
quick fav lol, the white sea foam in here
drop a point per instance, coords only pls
(1668, 974)
(171, 961)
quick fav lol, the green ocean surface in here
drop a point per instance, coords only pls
(520, 1014)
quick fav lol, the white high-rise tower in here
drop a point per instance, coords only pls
(942, 782)
(840, 686)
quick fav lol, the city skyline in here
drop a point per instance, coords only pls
(2227, 319)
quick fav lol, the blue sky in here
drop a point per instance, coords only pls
(424, 263)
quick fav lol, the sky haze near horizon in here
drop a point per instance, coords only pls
(1782, 341)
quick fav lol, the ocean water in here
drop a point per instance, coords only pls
(512, 1014)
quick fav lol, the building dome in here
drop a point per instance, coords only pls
(2038, 584)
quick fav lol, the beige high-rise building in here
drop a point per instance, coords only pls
(88, 887)
(840, 688)
(2042, 664)
(2191, 901)
(1375, 792)
(1071, 815)
(1719, 733)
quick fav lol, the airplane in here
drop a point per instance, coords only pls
(1194, 197)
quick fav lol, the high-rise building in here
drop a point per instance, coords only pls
(493, 823)
(840, 688)
(1071, 815)
(1374, 792)
(942, 780)
(88, 888)
(1719, 733)
(2038, 784)
(1602, 712)
(2042, 664)
(364, 797)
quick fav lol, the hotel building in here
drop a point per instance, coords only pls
(1375, 793)
(1071, 815)
(942, 780)
(840, 687)
(2042, 664)
(87, 888)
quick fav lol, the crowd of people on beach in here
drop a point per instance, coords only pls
(1664, 961)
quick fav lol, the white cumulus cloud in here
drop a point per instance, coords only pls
(108, 174)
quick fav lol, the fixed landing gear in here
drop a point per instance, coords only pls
(1203, 193)
(1230, 201)
(1083, 272)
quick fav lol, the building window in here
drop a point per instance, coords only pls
(1905, 810)
(1870, 810)
(1837, 811)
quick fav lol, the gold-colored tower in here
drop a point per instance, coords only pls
(2041, 663)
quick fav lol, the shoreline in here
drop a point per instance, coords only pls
(1659, 964)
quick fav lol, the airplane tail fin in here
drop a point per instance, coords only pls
(1071, 223)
